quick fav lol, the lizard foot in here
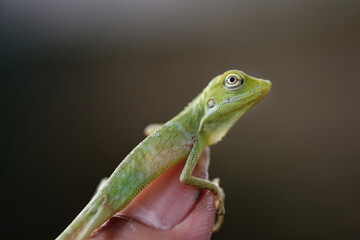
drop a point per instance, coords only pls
(219, 204)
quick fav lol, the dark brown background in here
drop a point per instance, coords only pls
(80, 81)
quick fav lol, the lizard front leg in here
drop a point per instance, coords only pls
(187, 178)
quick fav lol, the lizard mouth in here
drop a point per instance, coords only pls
(255, 94)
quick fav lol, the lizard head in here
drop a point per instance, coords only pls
(226, 99)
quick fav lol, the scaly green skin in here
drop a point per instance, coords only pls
(202, 123)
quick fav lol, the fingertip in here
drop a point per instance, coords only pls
(198, 225)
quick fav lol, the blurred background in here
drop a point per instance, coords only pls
(81, 79)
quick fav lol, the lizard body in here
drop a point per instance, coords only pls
(202, 123)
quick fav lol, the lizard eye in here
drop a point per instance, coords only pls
(233, 81)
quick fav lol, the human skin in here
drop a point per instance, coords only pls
(166, 209)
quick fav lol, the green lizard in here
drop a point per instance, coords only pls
(202, 123)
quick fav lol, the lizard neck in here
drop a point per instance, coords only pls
(191, 116)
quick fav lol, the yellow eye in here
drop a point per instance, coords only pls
(233, 81)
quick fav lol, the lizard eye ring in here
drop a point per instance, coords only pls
(233, 81)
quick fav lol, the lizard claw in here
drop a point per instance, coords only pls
(219, 204)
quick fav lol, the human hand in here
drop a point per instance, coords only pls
(166, 209)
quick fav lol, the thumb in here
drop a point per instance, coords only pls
(166, 209)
